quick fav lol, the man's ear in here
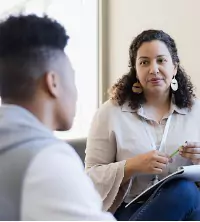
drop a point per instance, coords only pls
(52, 83)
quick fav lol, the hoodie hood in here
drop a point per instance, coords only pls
(19, 127)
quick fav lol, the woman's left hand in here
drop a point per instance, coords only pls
(191, 151)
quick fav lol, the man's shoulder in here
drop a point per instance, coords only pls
(61, 151)
(56, 188)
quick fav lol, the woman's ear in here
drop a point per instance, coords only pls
(176, 65)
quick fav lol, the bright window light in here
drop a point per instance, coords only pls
(80, 20)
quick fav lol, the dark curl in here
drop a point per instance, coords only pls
(121, 91)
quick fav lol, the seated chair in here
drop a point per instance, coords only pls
(79, 145)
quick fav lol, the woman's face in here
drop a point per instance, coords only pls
(154, 67)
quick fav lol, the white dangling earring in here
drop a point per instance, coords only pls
(174, 84)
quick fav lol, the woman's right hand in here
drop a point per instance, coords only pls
(153, 162)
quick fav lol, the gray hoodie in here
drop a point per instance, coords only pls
(41, 177)
(22, 136)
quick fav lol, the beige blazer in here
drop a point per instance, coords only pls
(118, 133)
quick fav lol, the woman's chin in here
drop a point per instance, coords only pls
(157, 90)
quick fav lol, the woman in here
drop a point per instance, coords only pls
(152, 111)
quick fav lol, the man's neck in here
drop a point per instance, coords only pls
(39, 109)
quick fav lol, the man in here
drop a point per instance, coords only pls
(41, 177)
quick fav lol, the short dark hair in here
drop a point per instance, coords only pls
(121, 91)
(28, 45)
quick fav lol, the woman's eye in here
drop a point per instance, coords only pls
(161, 60)
(143, 62)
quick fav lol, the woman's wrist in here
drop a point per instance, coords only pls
(131, 167)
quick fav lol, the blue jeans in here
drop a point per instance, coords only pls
(177, 200)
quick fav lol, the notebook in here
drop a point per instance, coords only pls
(189, 172)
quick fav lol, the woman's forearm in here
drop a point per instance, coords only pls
(130, 169)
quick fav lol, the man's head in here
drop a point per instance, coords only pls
(34, 70)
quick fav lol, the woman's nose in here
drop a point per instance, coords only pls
(154, 68)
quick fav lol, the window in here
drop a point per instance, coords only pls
(80, 20)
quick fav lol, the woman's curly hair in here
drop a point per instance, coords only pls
(121, 91)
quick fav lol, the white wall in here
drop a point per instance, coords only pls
(179, 18)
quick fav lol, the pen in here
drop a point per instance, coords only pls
(175, 152)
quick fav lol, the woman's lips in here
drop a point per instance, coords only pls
(155, 80)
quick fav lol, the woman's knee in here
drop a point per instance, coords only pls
(184, 190)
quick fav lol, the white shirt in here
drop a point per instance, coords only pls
(117, 133)
(56, 188)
